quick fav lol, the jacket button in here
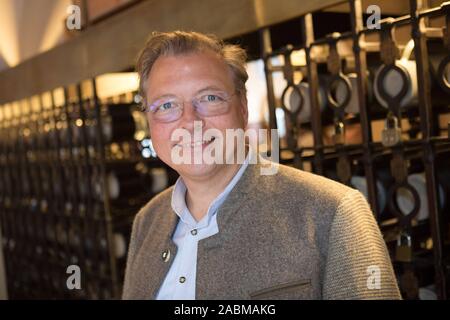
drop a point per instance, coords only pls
(166, 255)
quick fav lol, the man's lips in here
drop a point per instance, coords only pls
(195, 143)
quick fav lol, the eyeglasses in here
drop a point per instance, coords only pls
(208, 104)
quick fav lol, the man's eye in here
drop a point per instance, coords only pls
(165, 106)
(211, 98)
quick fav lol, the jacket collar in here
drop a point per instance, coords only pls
(237, 198)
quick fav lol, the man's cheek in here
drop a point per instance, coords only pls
(159, 146)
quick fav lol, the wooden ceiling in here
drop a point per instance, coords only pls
(28, 28)
(112, 44)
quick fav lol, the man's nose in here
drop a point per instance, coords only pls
(189, 116)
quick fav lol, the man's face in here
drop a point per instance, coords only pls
(184, 77)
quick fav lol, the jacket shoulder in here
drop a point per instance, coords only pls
(305, 186)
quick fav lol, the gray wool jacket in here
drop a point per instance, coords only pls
(292, 235)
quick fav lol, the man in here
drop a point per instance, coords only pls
(224, 230)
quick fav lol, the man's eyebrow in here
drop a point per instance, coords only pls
(162, 97)
(209, 88)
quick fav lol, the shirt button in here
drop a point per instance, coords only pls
(194, 232)
(182, 279)
(166, 255)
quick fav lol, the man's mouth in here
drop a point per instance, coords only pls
(194, 144)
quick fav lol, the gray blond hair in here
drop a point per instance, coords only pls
(182, 42)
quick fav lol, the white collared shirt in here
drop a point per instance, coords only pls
(179, 283)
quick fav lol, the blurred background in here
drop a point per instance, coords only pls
(358, 91)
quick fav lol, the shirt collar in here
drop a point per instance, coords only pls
(179, 201)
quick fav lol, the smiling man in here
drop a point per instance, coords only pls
(224, 230)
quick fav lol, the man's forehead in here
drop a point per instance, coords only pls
(204, 65)
(204, 57)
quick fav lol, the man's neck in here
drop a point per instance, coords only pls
(201, 193)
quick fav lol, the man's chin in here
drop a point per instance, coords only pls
(196, 170)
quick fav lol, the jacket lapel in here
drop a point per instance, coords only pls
(237, 198)
(227, 215)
